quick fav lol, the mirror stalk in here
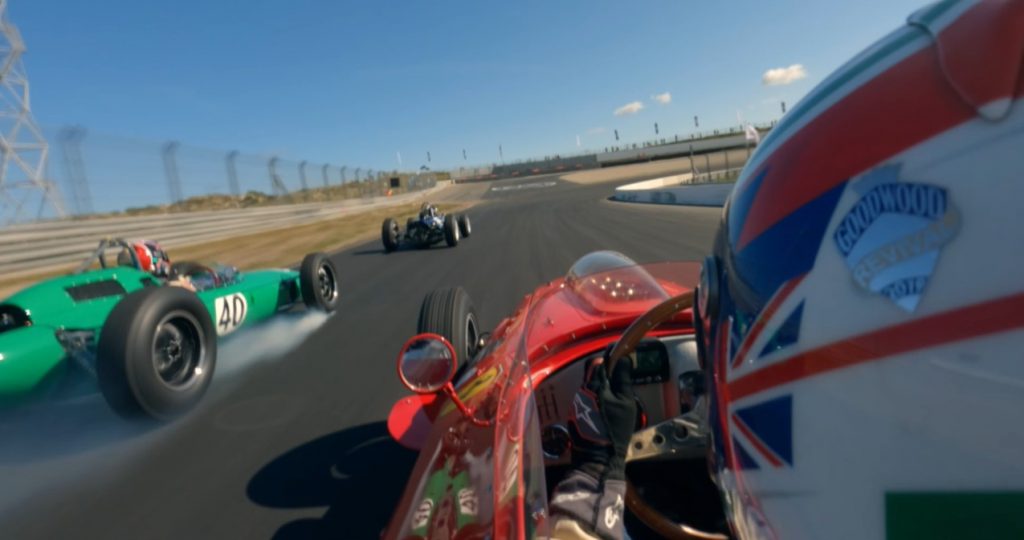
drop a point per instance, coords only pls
(469, 414)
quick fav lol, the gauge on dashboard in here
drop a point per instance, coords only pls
(652, 363)
(555, 441)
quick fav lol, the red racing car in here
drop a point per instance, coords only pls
(489, 414)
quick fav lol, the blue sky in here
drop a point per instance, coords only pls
(355, 82)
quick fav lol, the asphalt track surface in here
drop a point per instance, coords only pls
(294, 446)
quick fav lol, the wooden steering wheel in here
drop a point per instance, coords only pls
(625, 346)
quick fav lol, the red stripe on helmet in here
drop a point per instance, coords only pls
(910, 102)
(985, 318)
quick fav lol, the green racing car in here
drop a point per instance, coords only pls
(144, 329)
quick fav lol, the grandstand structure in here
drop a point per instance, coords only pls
(666, 148)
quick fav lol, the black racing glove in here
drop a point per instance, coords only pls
(603, 420)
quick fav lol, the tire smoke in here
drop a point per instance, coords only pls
(81, 440)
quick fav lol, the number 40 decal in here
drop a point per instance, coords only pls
(230, 312)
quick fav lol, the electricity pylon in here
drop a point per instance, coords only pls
(23, 149)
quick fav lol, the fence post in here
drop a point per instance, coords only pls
(343, 167)
(232, 172)
(726, 152)
(276, 186)
(692, 171)
(171, 170)
(357, 173)
(302, 175)
(707, 162)
(323, 172)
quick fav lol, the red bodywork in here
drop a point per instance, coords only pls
(484, 477)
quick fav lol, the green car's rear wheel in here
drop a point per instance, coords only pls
(156, 353)
(177, 349)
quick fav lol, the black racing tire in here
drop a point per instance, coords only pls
(450, 313)
(156, 353)
(451, 231)
(318, 282)
(389, 234)
(465, 226)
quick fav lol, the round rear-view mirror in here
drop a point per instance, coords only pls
(426, 363)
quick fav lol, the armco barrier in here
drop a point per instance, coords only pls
(31, 247)
(670, 190)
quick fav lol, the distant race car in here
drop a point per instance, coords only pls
(143, 329)
(429, 228)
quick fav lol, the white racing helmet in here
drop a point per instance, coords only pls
(862, 315)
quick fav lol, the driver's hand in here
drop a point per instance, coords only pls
(184, 282)
(603, 420)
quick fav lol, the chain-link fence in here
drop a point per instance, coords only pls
(99, 174)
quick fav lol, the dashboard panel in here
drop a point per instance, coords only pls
(659, 366)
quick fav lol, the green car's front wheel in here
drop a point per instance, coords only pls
(318, 282)
(156, 353)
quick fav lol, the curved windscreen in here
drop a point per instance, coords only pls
(596, 262)
(610, 281)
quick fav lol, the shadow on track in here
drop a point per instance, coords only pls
(358, 473)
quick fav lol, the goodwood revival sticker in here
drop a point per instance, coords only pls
(892, 236)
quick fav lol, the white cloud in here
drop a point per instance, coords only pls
(784, 75)
(629, 108)
(596, 131)
(664, 99)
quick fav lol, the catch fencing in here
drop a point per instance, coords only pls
(96, 173)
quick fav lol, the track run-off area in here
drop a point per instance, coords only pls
(290, 442)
